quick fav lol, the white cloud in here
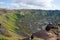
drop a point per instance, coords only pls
(2, 2)
(32, 4)
(24, 6)
(15, 4)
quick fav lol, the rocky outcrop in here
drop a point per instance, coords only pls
(42, 34)
(58, 32)
(2, 30)
(50, 33)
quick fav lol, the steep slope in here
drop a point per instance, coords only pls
(22, 23)
(8, 21)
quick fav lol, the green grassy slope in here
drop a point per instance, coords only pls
(8, 21)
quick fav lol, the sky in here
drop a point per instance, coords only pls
(31, 4)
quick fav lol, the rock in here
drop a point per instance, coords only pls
(2, 30)
(27, 38)
(42, 34)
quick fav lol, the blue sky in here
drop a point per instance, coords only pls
(30, 4)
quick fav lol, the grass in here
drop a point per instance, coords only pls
(8, 21)
(2, 37)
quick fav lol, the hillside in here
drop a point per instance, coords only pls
(22, 23)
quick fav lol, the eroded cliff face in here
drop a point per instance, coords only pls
(58, 32)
